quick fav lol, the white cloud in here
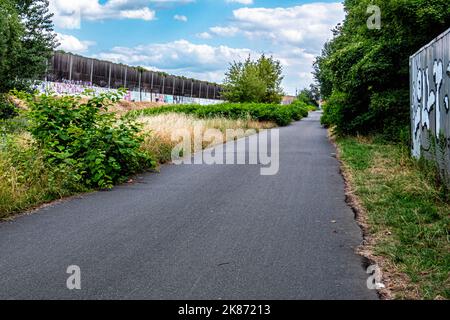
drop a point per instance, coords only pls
(246, 2)
(181, 57)
(307, 26)
(142, 14)
(180, 18)
(294, 35)
(69, 14)
(224, 31)
(204, 35)
(72, 44)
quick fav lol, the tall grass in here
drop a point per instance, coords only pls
(281, 115)
(25, 179)
(160, 128)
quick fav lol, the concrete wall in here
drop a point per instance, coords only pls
(430, 91)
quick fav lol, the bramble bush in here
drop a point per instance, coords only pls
(84, 141)
(281, 115)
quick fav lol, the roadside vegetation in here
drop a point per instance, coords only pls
(281, 115)
(55, 147)
(159, 128)
(407, 216)
(363, 75)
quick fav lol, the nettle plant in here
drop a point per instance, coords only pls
(84, 141)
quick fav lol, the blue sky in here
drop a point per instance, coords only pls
(198, 38)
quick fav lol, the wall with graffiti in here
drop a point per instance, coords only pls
(430, 91)
(73, 69)
(67, 87)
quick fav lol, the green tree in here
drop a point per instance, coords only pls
(11, 33)
(364, 73)
(38, 41)
(270, 72)
(254, 81)
(310, 96)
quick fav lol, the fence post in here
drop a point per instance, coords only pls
(164, 82)
(192, 89)
(151, 88)
(109, 77)
(200, 91)
(207, 91)
(140, 92)
(92, 72)
(125, 80)
(173, 89)
(70, 67)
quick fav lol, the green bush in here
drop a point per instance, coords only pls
(7, 109)
(84, 141)
(281, 115)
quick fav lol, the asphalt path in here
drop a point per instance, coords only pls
(198, 232)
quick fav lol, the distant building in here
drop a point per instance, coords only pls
(287, 100)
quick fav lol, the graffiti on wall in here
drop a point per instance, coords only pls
(67, 87)
(430, 90)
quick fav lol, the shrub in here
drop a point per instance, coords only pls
(333, 114)
(7, 109)
(84, 141)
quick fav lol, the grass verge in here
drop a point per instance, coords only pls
(404, 212)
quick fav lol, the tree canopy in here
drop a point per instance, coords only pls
(254, 81)
(310, 96)
(27, 41)
(364, 72)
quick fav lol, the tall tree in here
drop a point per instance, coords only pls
(39, 39)
(254, 81)
(11, 33)
(309, 96)
(271, 73)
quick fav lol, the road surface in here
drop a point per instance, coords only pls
(198, 232)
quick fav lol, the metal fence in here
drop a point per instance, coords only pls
(430, 91)
(66, 67)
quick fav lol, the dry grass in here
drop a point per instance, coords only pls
(122, 107)
(161, 127)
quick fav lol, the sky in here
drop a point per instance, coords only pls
(199, 38)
